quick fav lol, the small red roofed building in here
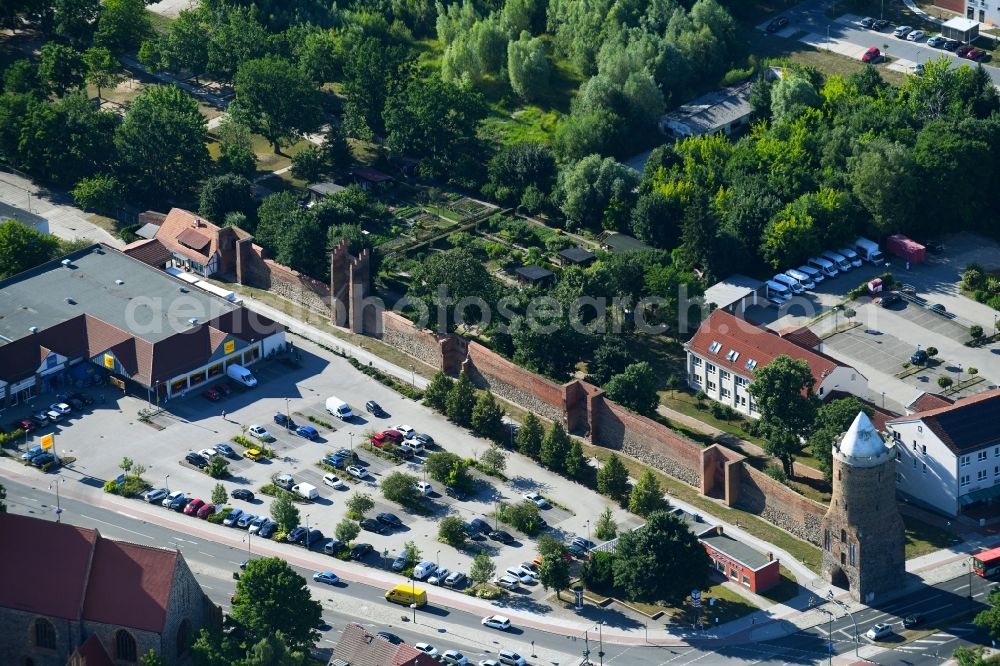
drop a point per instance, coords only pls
(359, 647)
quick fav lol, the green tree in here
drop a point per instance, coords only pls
(274, 99)
(487, 416)
(606, 528)
(185, 47)
(647, 495)
(529, 437)
(22, 247)
(523, 516)
(446, 278)
(635, 388)
(436, 122)
(237, 36)
(588, 188)
(401, 488)
(436, 393)
(413, 554)
(74, 19)
(337, 156)
(236, 153)
(284, 512)
(576, 463)
(102, 193)
(553, 574)
(448, 469)
(528, 67)
(790, 96)
(451, 531)
(161, 142)
(989, 619)
(461, 401)
(347, 531)
(273, 216)
(612, 479)
(555, 448)
(103, 69)
(219, 494)
(122, 25)
(832, 419)
(494, 459)
(783, 392)
(660, 561)
(3, 499)
(23, 77)
(359, 504)
(308, 164)
(271, 596)
(483, 569)
(61, 66)
(221, 195)
(944, 382)
(217, 468)
(885, 181)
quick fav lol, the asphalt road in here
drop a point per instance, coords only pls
(213, 564)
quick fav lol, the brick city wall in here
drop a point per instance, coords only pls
(400, 332)
(298, 287)
(779, 505)
(512, 382)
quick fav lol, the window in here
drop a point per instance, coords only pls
(925, 468)
(923, 449)
(843, 536)
(734, 574)
(733, 355)
(996, 470)
(45, 634)
(697, 361)
(981, 456)
(124, 646)
(751, 364)
(964, 461)
(726, 393)
(723, 374)
(746, 580)
(696, 379)
(981, 475)
(826, 539)
(854, 555)
(996, 452)
(964, 481)
(715, 347)
(711, 386)
(710, 367)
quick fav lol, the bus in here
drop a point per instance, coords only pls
(987, 563)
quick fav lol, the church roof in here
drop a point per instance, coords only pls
(861, 439)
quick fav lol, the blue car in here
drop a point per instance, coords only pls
(334, 461)
(308, 432)
(327, 577)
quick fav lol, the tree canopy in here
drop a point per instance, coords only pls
(271, 596)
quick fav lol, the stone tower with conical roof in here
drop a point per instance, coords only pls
(863, 534)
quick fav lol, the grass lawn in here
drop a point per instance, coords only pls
(923, 538)
(160, 23)
(685, 403)
(786, 588)
(773, 46)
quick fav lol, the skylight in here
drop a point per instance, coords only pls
(715, 347)
(751, 364)
(733, 355)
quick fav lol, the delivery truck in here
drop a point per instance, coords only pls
(905, 248)
(241, 375)
(339, 408)
(407, 595)
(305, 491)
(868, 250)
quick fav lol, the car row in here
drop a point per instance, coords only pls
(796, 281)
(911, 34)
(52, 414)
(286, 422)
(217, 392)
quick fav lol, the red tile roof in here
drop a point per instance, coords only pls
(359, 647)
(91, 653)
(802, 336)
(194, 237)
(969, 424)
(927, 401)
(86, 575)
(751, 342)
(149, 251)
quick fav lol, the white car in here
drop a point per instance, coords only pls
(497, 622)
(525, 579)
(454, 657)
(209, 453)
(489, 662)
(415, 444)
(879, 631)
(334, 481)
(60, 407)
(915, 35)
(53, 415)
(438, 576)
(406, 431)
(424, 488)
(540, 501)
(423, 570)
(260, 432)
(527, 570)
(427, 649)
(357, 472)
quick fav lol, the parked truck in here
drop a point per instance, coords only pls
(305, 491)
(241, 375)
(906, 248)
(868, 250)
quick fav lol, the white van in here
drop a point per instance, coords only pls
(851, 256)
(814, 274)
(826, 266)
(789, 282)
(802, 278)
(241, 375)
(838, 261)
(339, 408)
(306, 491)
(777, 293)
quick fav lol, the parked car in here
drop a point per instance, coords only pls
(197, 460)
(902, 31)
(43, 460)
(208, 454)
(361, 551)
(233, 518)
(225, 450)
(507, 582)
(915, 35)
(357, 472)
(206, 510)
(169, 499)
(178, 503)
(261, 433)
(872, 55)
(406, 431)
(333, 546)
(24, 425)
(537, 499)
(962, 50)
(307, 432)
(193, 506)
(497, 622)
(880, 24)
(297, 535)
(911, 621)
(334, 481)
(951, 45)
(777, 23)
(256, 524)
(481, 525)
(867, 22)
(284, 420)
(327, 577)
(438, 576)
(523, 578)
(372, 525)
(389, 636)
(424, 439)
(211, 394)
(454, 579)
(511, 658)
(61, 407)
(423, 569)
(879, 631)
(242, 494)
(374, 408)
(245, 520)
(456, 493)
(454, 657)
(399, 563)
(156, 496)
(501, 536)
(425, 488)
(33, 452)
(255, 455)
(975, 54)
(390, 436)
(427, 649)
(268, 529)
(389, 519)
(936, 41)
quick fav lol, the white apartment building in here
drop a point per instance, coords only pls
(723, 354)
(948, 458)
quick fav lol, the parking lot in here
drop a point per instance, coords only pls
(102, 434)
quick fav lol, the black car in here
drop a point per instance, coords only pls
(374, 408)
(361, 551)
(179, 504)
(911, 621)
(456, 493)
(399, 563)
(39, 423)
(880, 24)
(298, 535)
(372, 525)
(501, 536)
(424, 439)
(777, 24)
(389, 519)
(242, 494)
(284, 421)
(42, 459)
(268, 529)
(951, 45)
(75, 403)
(197, 460)
(332, 546)
(481, 525)
(82, 397)
(392, 638)
(315, 539)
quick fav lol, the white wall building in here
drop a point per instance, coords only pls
(948, 458)
(724, 353)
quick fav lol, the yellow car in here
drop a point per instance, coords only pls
(253, 454)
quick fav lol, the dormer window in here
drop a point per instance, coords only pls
(732, 355)
(715, 347)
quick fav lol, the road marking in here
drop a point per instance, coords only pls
(30, 499)
(119, 527)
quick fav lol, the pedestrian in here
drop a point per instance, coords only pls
(223, 415)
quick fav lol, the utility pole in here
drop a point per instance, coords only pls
(857, 639)
(59, 506)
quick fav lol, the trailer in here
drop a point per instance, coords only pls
(905, 248)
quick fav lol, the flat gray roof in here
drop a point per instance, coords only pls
(148, 303)
(736, 550)
(726, 292)
(711, 111)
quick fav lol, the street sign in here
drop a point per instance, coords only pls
(48, 441)
(696, 594)
(695, 598)
(120, 481)
(579, 597)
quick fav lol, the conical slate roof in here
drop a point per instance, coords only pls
(862, 439)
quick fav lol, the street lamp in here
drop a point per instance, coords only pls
(413, 595)
(412, 378)
(857, 639)
(600, 649)
(59, 506)
(588, 529)
(287, 413)
(307, 531)
(166, 482)
(438, 559)
(249, 534)
(969, 577)
(352, 445)
(829, 633)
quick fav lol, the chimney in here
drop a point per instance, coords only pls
(770, 557)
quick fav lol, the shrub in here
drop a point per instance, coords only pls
(217, 518)
(452, 531)
(976, 331)
(932, 351)
(599, 573)
(217, 468)
(522, 516)
(102, 193)
(243, 441)
(776, 472)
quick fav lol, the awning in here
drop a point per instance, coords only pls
(980, 495)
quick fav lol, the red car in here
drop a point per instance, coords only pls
(872, 55)
(206, 511)
(387, 437)
(23, 425)
(963, 50)
(975, 54)
(193, 506)
(211, 394)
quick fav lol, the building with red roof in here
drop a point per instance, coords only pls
(726, 351)
(70, 595)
